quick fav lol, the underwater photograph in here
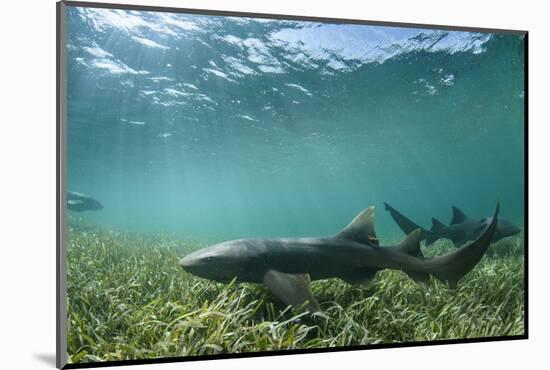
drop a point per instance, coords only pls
(240, 185)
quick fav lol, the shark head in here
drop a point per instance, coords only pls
(503, 230)
(221, 262)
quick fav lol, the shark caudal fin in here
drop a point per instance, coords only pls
(404, 223)
(408, 226)
(451, 267)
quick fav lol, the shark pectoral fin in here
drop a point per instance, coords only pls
(292, 289)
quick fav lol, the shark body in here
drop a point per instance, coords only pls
(461, 229)
(288, 265)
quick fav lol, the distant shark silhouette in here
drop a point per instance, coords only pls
(79, 202)
(288, 265)
(461, 229)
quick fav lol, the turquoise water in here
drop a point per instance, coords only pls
(212, 127)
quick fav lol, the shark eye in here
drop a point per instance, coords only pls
(210, 258)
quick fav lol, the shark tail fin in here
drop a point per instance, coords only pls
(406, 225)
(451, 267)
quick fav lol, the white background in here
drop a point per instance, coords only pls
(27, 186)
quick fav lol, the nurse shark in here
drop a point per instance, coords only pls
(288, 265)
(461, 229)
(79, 202)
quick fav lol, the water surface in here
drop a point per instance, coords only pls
(212, 127)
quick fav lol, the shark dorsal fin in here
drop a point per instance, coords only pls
(361, 228)
(411, 244)
(436, 224)
(458, 216)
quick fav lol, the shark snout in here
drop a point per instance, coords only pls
(196, 262)
(515, 230)
(507, 228)
(188, 262)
